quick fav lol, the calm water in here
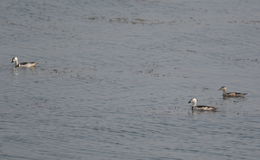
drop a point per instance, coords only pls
(115, 77)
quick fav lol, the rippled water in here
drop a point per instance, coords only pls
(115, 77)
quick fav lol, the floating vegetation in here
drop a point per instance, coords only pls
(129, 21)
(96, 18)
(255, 60)
(143, 21)
(120, 20)
(244, 21)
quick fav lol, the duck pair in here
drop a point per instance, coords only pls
(226, 94)
(23, 64)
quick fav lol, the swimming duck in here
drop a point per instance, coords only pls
(231, 94)
(23, 64)
(194, 101)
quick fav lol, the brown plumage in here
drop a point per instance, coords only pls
(231, 94)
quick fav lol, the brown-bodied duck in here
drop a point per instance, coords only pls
(231, 94)
(196, 107)
(23, 64)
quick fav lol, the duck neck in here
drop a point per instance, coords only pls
(16, 63)
(194, 104)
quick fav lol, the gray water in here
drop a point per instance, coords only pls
(115, 76)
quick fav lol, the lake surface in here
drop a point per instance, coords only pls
(115, 77)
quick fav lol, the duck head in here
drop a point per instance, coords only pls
(223, 88)
(14, 59)
(193, 102)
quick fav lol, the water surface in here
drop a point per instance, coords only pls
(115, 77)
